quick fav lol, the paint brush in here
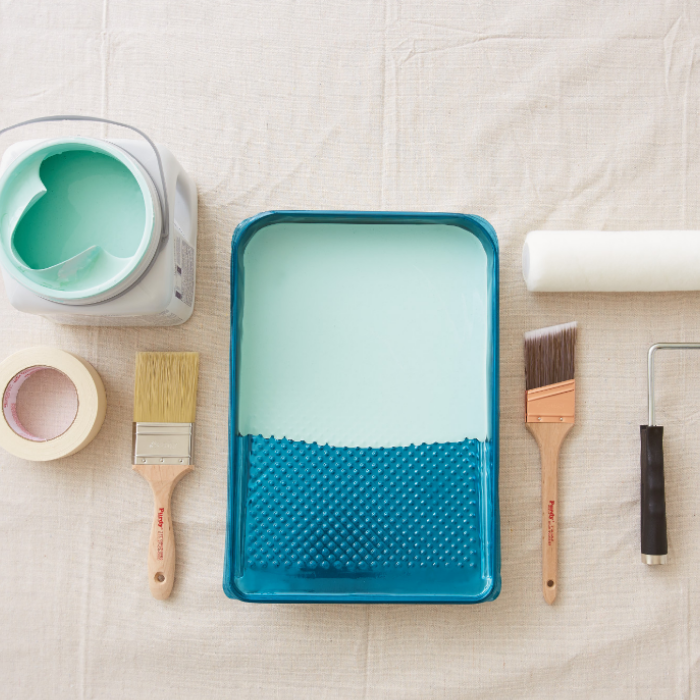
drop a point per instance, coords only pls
(165, 401)
(549, 416)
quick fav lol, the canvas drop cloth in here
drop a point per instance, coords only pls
(534, 115)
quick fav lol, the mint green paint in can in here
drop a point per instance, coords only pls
(80, 220)
(91, 199)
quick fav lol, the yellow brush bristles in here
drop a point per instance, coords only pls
(165, 389)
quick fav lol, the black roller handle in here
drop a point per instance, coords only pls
(653, 500)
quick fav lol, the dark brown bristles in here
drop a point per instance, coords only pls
(549, 355)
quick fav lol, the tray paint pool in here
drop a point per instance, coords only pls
(363, 409)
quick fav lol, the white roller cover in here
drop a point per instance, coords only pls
(612, 261)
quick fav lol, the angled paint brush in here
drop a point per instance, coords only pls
(549, 415)
(165, 401)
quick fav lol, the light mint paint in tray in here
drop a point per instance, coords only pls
(364, 335)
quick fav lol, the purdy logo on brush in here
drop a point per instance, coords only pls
(550, 524)
(160, 533)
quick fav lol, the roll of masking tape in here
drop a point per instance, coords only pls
(91, 404)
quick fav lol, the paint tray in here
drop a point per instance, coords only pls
(364, 409)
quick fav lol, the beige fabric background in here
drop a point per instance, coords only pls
(533, 115)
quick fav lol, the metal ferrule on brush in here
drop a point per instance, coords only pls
(163, 443)
(553, 403)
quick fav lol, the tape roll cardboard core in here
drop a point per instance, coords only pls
(40, 403)
(72, 425)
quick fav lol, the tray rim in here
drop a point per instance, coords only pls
(487, 235)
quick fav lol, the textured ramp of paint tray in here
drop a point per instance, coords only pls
(349, 512)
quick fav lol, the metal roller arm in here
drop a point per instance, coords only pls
(650, 368)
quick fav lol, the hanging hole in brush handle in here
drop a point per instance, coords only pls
(162, 197)
(653, 500)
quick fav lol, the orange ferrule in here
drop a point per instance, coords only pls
(553, 403)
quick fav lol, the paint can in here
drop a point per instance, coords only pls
(97, 232)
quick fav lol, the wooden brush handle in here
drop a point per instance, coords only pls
(161, 548)
(549, 437)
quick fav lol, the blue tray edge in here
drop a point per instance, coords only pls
(487, 234)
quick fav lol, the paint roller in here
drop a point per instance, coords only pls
(612, 261)
(623, 261)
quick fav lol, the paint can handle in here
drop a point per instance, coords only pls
(163, 197)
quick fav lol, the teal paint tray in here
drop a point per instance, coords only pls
(364, 409)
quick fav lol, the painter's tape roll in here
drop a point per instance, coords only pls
(612, 261)
(92, 404)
